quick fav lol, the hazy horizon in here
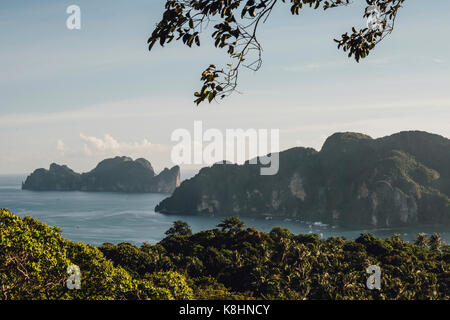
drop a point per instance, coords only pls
(77, 97)
(187, 171)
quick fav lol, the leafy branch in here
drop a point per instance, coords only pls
(236, 32)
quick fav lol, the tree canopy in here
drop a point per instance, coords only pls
(34, 259)
(235, 29)
(226, 263)
(179, 228)
(232, 224)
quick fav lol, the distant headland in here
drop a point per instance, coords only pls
(119, 174)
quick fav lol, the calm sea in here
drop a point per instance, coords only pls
(96, 218)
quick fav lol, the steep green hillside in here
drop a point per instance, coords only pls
(398, 180)
(34, 261)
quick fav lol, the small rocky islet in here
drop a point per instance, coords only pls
(119, 174)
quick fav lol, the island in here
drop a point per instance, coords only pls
(119, 174)
(398, 180)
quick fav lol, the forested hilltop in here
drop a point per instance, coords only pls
(229, 262)
(398, 180)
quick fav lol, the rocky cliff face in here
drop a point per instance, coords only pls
(119, 174)
(398, 180)
(56, 178)
(166, 181)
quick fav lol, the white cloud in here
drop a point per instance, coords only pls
(60, 146)
(109, 146)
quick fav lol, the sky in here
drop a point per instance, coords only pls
(76, 97)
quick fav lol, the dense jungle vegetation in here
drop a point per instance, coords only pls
(229, 262)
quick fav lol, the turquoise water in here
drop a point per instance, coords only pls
(96, 218)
